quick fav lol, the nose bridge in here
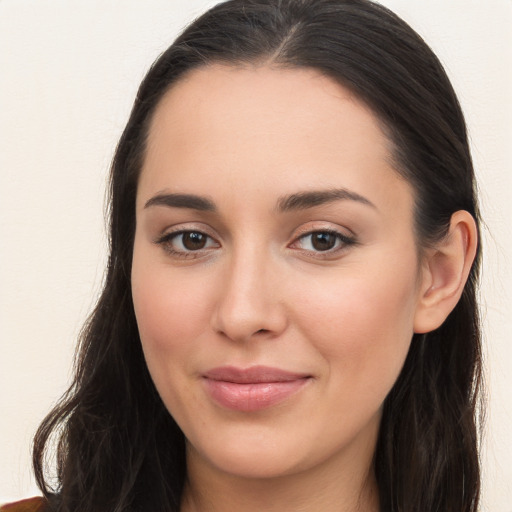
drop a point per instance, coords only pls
(249, 299)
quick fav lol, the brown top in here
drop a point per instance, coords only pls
(29, 505)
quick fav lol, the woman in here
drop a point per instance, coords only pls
(289, 318)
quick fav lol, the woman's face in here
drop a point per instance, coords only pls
(275, 271)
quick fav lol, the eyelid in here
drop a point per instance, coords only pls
(165, 240)
(186, 227)
(315, 227)
(346, 240)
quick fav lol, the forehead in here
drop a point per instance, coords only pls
(227, 106)
(262, 129)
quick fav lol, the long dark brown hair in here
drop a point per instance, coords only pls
(119, 449)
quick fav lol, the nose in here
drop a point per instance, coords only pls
(250, 303)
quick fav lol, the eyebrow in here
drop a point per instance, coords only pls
(288, 203)
(310, 199)
(191, 201)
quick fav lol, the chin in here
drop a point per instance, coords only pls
(252, 460)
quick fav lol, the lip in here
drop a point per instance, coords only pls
(254, 388)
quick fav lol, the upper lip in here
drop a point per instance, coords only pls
(252, 375)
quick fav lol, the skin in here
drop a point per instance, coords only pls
(259, 292)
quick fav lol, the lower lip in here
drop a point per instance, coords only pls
(252, 396)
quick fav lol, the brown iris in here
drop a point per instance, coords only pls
(323, 241)
(193, 240)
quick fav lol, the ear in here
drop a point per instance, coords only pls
(445, 269)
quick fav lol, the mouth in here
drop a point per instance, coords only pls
(254, 388)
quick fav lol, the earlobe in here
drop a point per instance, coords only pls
(445, 270)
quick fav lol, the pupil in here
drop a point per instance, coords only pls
(194, 241)
(323, 241)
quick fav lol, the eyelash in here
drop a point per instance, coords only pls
(166, 242)
(342, 240)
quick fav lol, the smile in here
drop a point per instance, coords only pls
(252, 389)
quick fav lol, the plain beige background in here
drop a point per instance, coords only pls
(68, 75)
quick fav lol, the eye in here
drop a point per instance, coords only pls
(186, 242)
(324, 241)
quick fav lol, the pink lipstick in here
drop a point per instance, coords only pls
(254, 388)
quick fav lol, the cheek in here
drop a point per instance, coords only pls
(171, 313)
(171, 322)
(362, 325)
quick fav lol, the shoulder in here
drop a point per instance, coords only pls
(28, 505)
